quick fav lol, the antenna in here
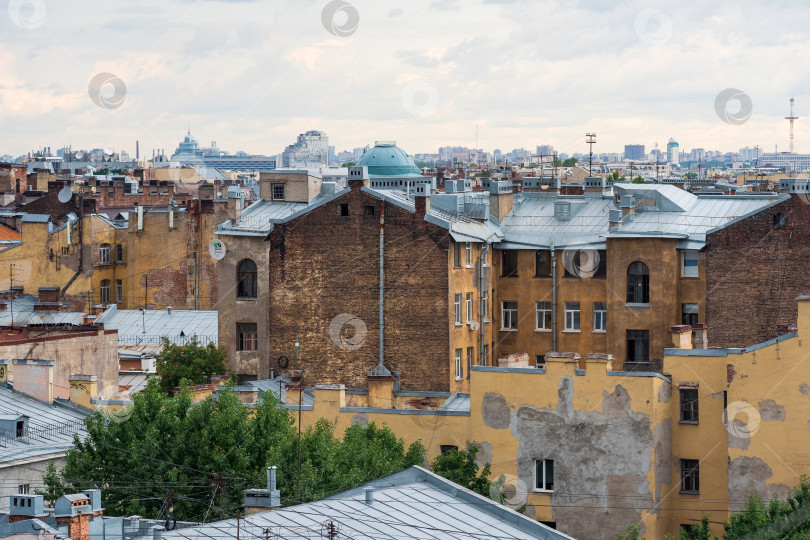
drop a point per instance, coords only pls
(791, 118)
(590, 138)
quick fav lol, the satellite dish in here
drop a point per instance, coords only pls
(217, 250)
(65, 194)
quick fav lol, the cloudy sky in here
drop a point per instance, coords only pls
(253, 74)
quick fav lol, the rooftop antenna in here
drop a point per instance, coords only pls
(590, 138)
(791, 118)
(657, 155)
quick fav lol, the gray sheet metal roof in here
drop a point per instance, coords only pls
(457, 402)
(411, 504)
(50, 427)
(24, 314)
(279, 385)
(139, 330)
(256, 218)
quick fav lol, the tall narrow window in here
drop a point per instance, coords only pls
(104, 296)
(638, 346)
(469, 360)
(689, 405)
(457, 307)
(119, 290)
(638, 283)
(469, 306)
(542, 263)
(544, 475)
(119, 253)
(246, 334)
(599, 316)
(690, 475)
(484, 355)
(689, 264)
(246, 279)
(456, 255)
(572, 316)
(484, 306)
(509, 315)
(509, 263)
(104, 254)
(459, 369)
(467, 254)
(543, 316)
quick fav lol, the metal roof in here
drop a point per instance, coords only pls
(36, 218)
(457, 402)
(50, 427)
(24, 314)
(278, 386)
(411, 504)
(138, 330)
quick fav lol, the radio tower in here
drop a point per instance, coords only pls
(791, 118)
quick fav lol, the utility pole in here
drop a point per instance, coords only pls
(11, 288)
(300, 401)
(590, 138)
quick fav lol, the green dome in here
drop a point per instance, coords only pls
(388, 159)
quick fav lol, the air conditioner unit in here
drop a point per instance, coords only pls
(474, 325)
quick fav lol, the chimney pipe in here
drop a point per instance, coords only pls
(271, 478)
(369, 494)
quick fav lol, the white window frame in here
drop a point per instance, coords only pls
(573, 317)
(540, 316)
(469, 305)
(695, 268)
(470, 354)
(485, 254)
(119, 291)
(543, 480)
(457, 305)
(484, 355)
(509, 313)
(599, 315)
(104, 254)
(468, 254)
(459, 372)
(104, 292)
(485, 306)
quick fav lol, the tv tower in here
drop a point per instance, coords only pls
(791, 118)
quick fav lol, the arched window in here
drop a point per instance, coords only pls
(638, 283)
(246, 279)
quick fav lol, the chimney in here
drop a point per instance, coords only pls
(501, 199)
(422, 203)
(369, 491)
(236, 203)
(627, 204)
(24, 507)
(595, 184)
(83, 388)
(701, 338)
(261, 500)
(34, 378)
(681, 336)
(358, 178)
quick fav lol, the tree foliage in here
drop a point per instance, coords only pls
(459, 466)
(191, 361)
(788, 519)
(53, 484)
(570, 162)
(615, 177)
(639, 180)
(202, 456)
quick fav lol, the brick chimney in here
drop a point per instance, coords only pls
(358, 178)
(681, 336)
(422, 203)
(501, 199)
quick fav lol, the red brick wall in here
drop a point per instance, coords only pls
(322, 265)
(754, 272)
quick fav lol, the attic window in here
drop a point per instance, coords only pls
(368, 210)
(779, 221)
(344, 210)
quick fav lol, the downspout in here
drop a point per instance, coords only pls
(481, 292)
(553, 300)
(382, 277)
(81, 246)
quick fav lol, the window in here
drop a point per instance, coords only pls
(246, 279)
(469, 360)
(119, 253)
(278, 192)
(690, 476)
(572, 316)
(484, 355)
(689, 314)
(484, 254)
(509, 315)
(638, 346)
(601, 264)
(689, 264)
(105, 291)
(543, 319)
(368, 210)
(469, 307)
(484, 306)
(638, 283)
(509, 263)
(458, 307)
(459, 369)
(542, 263)
(544, 475)
(119, 290)
(444, 448)
(540, 361)
(344, 210)
(467, 253)
(20, 429)
(456, 254)
(779, 221)
(23, 489)
(689, 405)
(599, 316)
(246, 334)
(104, 254)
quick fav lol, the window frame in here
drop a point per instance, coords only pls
(537, 263)
(470, 353)
(543, 307)
(456, 255)
(544, 481)
(641, 336)
(459, 369)
(696, 266)
(600, 315)
(104, 254)
(509, 313)
(576, 317)
(468, 301)
(119, 291)
(485, 306)
(244, 281)
(273, 192)
(638, 283)
(119, 253)
(457, 309)
(690, 317)
(690, 476)
(689, 406)
(506, 256)
(468, 254)
(104, 291)
(483, 360)
(245, 338)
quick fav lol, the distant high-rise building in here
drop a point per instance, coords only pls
(634, 152)
(545, 150)
(310, 150)
(673, 152)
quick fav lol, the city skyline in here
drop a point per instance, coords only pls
(252, 76)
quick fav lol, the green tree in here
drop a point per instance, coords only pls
(349, 164)
(615, 177)
(690, 176)
(639, 180)
(54, 488)
(570, 162)
(785, 519)
(191, 361)
(699, 531)
(206, 454)
(459, 466)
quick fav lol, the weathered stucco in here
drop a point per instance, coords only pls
(770, 410)
(495, 411)
(750, 474)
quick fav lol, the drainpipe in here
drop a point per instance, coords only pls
(553, 300)
(481, 291)
(382, 276)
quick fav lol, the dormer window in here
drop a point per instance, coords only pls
(278, 192)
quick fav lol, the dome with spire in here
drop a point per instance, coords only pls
(388, 159)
